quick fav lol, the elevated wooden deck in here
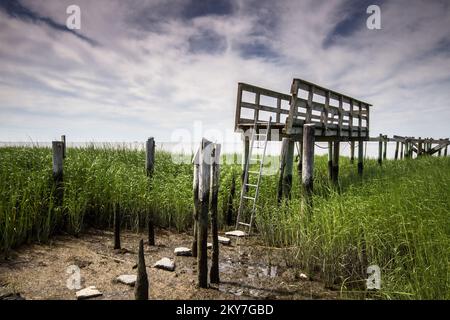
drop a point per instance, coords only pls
(336, 116)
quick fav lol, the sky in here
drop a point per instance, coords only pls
(170, 68)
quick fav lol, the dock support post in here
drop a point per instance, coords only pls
(246, 151)
(141, 286)
(380, 149)
(445, 152)
(308, 167)
(63, 140)
(330, 160)
(288, 168)
(299, 164)
(396, 150)
(336, 145)
(385, 138)
(401, 150)
(352, 152)
(360, 157)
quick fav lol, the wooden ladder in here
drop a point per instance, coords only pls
(246, 186)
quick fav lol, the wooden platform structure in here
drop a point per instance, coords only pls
(326, 115)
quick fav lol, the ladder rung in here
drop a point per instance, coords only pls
(249, 198)
(251, 185)
(254, 172)
(255, 159)
(244, 224)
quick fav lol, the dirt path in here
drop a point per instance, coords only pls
(247, 270)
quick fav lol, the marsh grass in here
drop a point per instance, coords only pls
(396, 216)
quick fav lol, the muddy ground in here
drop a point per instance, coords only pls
(247, 269)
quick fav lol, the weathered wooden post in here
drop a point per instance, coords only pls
(336, 161)
(385, 138)
(204, 193)
(419, 147)
(330, 160)
(352, 152)
(299, 164)
(445, 151)
(215, 177)
(149, 156)
(246, 152)
(149, 168)
(380, 149)
(402, 144)
(117, 223)
(141, 286)
(308, 166)
(360, 157)
(63, 140)
(58, 151)
(196, 162)
(396, 150)
(283, 153)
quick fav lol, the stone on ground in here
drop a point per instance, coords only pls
(236, 233)
(182, 251)
(224, 240)
(89, 292)
(128, 279)
(165, 264)
(209, 245)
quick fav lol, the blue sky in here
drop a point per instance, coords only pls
(153, 68)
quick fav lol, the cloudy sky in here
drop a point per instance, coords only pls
(149, 68)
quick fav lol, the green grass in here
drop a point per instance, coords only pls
(397, 216)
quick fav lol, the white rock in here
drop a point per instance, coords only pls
(303, 276)
(224, 240)
(182, 251)
(129, 279)
(89, 292)
(165, 264)
(236, 233)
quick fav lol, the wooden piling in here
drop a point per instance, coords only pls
(380, 150)
(63, 140)
(117, 222)
(215, 177)
(287, 164)
(445, 151)
(360, 157)
(330, 160)
(385, 140)
(283, 153)
(202, 232)
(308, 166)
(299, 164)
(141, 285)
(396, 150)
(149, 156)
(352, 152)
(336, 145)
(245, 159)
(58, 174)
(401, 150)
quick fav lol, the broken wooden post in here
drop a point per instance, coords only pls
(215, 177)
(352, 152)
(149, 156)
(117, 226)
(380, 149)
(202, 232)
(308, 166)
(63, 140)
(141, 286)
(385, 138)
(360, 157)
(330, 160)
(336, 144)
(196, 162)
(396, 150)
